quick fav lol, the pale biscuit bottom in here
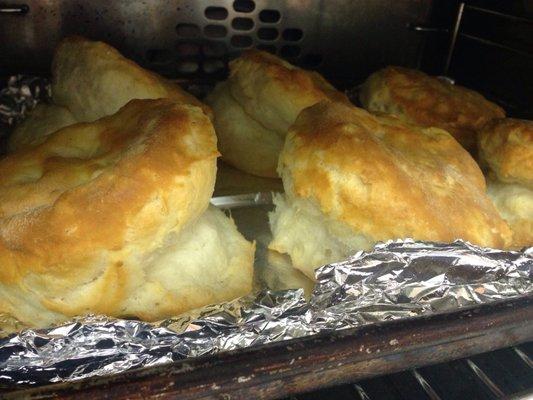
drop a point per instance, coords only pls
(309, 237)
(209, 261)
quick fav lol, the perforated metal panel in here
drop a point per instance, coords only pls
(346, 40)
(212, 32)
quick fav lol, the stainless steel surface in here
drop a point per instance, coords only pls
(347, 40)
(427, 28)
(242, 200)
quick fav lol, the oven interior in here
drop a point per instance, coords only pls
(486, 45)
(505, 373)
(483, 44)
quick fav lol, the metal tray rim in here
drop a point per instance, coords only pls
(315, 361)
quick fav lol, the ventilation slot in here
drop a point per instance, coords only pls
(267, 47)
(215, 31)
(244, 6)
(269, 16)
(267, 33)
(216, 13)
(229, 27)
(187, 67)
(242, 24)
(188, 30)
(188, 50)
(213, 66)
(214, 49)
(241, 41)
(292, 34)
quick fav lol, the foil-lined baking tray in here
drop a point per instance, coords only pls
(397, 280)
(20, 95)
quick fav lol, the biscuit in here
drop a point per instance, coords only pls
(256, 105)
(506, 149)
(506, 146)
(110, 217)
(41, 122)
(428, 101)
(352, 179)
(91, 80)
(243, 142)
(515, 204)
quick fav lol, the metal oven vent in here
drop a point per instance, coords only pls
(193, 40)
(210, 33)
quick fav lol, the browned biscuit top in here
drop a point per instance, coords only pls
(506, 145)
(119, 183)
(92, 79)
(387, 179)
(428, 101)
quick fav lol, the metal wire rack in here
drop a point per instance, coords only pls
(457, 32)
(500, 374)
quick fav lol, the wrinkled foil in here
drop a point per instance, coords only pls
(398, 279)
(21, 95)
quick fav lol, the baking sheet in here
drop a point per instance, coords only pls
(398, 279)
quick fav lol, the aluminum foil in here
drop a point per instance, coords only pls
(398, 279)
(21, 94)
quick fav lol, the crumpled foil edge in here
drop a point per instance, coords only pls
(398, 279)
(21, 94)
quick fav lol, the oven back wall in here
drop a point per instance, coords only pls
(345, 40)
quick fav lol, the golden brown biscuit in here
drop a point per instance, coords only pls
(243, 142)
(515, 204)
(91, 80)
(110, 217)
(42, 121)
(428, 101)
(506, 146)
(352, 179)
(256, 105)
